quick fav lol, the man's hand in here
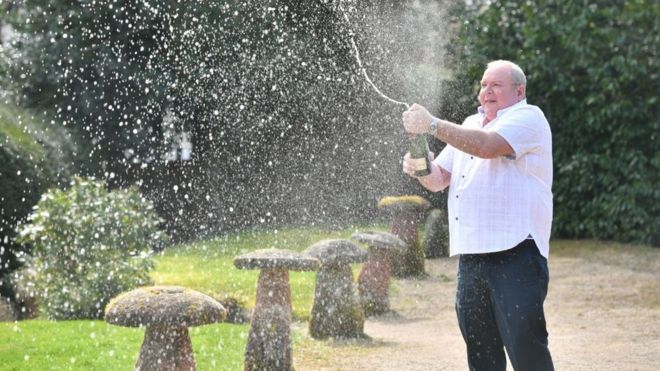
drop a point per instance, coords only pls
(409, 164)
(417, 119)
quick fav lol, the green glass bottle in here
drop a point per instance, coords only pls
(419, 152)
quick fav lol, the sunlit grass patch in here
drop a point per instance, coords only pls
(637, 257)
(572, 247)
(628, 258)
(61, 345)
(207, 266)
(96, 345)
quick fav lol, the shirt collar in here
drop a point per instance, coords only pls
(523, 102)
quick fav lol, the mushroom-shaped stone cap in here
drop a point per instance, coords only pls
(164, 306)
(404, 203)
(338, 251)
(276, 259)
(380, 240)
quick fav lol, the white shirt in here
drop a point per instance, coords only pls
(494, 204)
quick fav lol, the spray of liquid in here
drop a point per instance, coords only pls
(359, 61)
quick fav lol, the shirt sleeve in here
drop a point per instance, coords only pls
(446, 158)
(523, 129)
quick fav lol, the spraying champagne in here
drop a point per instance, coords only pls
(419, 147)
(364, 71)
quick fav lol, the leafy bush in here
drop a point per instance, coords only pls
(593, 68)
(88, 245)
(34, 156)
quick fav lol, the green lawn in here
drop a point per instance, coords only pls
(206, 266)
(95, 345)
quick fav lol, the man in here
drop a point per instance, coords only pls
(498, 166)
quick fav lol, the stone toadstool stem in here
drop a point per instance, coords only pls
(166, 348)
(411, 262)
(404, 226)
(436, 235)
(405, 211)
(273, 289)
(374, 281)
(269, 340)
(166, 312)
(336, 311)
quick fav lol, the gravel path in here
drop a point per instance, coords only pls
(603, 313)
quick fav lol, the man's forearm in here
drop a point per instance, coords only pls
(437, 181)
(466, 140)
(476, 142)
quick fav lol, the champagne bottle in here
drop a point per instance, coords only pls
(419, 153)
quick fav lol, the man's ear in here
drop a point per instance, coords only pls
(521, 90)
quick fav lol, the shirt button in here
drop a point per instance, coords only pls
(471, 157)
(456, 196)
(463, 176)
(456, 218)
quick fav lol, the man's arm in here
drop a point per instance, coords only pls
(480, 143)
(477, 142)
(436, 181)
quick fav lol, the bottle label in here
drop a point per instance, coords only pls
(419, 163)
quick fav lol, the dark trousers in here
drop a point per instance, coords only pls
(499, 303)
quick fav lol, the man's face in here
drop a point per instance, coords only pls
(498, 90)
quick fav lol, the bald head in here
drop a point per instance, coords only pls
(502, 85)
(517, 74)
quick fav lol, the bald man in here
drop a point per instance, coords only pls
(498, 167)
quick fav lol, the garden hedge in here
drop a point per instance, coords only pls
(593, 69)
(33, 157)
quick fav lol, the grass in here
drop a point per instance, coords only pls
(206, 266)
(95, 345)
(638, 258)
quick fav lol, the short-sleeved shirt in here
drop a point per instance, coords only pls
(494, 204)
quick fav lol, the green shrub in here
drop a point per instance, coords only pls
(593, 69)
(34, 156)
(88, 245)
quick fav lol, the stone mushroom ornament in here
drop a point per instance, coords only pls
(405, 211)
(337, 311)
(166, 312)
(374, 278)
(436, 235)
(269, 339)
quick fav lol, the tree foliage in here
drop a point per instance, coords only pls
(33, 157)
(283, 124)
(593, 68)
(88, 245)
(232, 73)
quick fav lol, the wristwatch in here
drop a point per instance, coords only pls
(433, 127)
